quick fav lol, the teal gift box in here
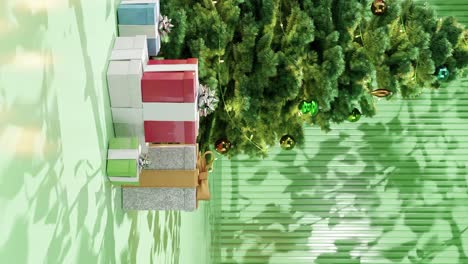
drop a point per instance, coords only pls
(122, 161)
(138, 13)
(140, 17)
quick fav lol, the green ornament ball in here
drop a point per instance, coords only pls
(304, 107)
(354, 116)
(287, 142)
(442, 73)
(308, 107)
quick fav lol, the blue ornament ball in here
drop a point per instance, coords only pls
(442, 73)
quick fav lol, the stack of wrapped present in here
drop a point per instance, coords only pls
(123, 161)
(140, 17)
(175, 179)
(128, 58)
(156, 103)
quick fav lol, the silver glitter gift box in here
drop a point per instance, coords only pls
(172, 157)
(145, 198)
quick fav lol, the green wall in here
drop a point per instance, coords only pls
(388, 189)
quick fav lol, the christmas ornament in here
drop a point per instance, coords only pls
(207, 100)
(381, 93)
(442, 73)
(287, 142)
(354, 116)
(306, 107)
(164, 26)
(223, 145)
(378, 7)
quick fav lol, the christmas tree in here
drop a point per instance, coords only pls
(279, 64)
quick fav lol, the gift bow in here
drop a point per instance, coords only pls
(204, 167)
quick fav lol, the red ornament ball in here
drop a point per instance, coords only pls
(223, 145)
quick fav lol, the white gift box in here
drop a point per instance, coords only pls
(132, 130)
(131, 48)
(154, 45)
(127, 115)
(124, 83)
(128, 122)
(150, 31)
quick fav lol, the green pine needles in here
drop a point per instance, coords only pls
(265, 57)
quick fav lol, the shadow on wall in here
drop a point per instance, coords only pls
(397, 193)
(38, 173)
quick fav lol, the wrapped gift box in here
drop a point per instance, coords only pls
(172, 157)
(131, 130)
(154, 45)
(171, 87)
(122, 161)
(130, 48)
(181, 132)
(128, 122)
(171, 189)
(140, 17)
(127, 115)
(153, 40)
(138, 12)
(124, 83)
(142, 198)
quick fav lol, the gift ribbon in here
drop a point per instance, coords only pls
(204, 166)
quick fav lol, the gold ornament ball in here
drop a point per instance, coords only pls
(287, 142)
(378, 7)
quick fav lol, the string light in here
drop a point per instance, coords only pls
(224, 102)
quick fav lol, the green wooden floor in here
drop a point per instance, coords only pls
(55, 202)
